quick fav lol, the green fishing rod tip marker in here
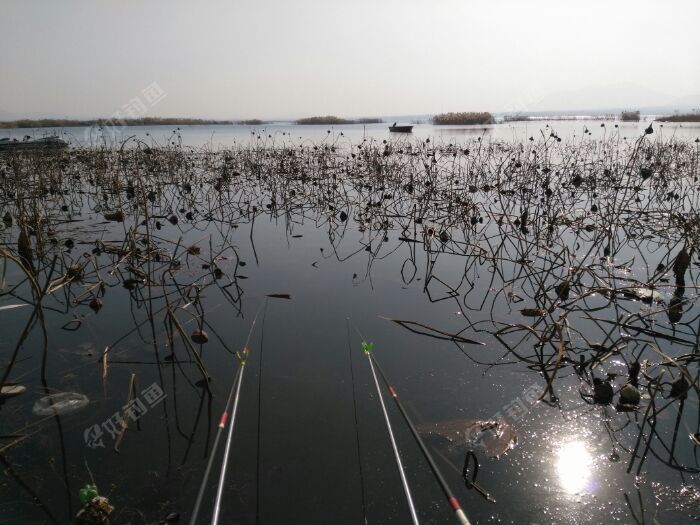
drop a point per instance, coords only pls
(367, 347)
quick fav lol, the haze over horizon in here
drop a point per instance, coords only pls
(82, 59)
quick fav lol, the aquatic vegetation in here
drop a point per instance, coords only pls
(573, 263)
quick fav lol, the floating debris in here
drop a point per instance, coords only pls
(9, 390)
(60, 404)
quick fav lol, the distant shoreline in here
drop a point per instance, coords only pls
(438, 120)
(330, 120)
(687, 117)
(150, 121)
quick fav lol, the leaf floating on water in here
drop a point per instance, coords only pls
(279, 296)
(602, 392)
(200, 337)
(131, 284)
(533, 312)
(562, 290)
(629, 398)
(494, 438)
(115, 216)
(60, 404)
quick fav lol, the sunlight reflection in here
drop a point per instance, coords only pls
(573, 466)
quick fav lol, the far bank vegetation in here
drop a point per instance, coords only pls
(681, 117)
(630, 116)
(462, 118)
(330, 120)
(519, 117)
(146, 121)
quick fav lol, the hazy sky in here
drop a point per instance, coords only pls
(287, 58)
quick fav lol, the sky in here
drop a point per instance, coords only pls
(288, 59)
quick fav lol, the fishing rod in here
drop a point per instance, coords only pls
(452, 500)
(233, 396)
(227, 449)
(367, 348)
(221, 426)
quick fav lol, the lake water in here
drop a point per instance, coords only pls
(355, 246)
(225, 136)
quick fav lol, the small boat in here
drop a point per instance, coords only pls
(28, 143)
(400, 129)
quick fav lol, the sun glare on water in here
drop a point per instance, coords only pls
(574, 464)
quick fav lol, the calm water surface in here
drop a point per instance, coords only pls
(225, 136)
